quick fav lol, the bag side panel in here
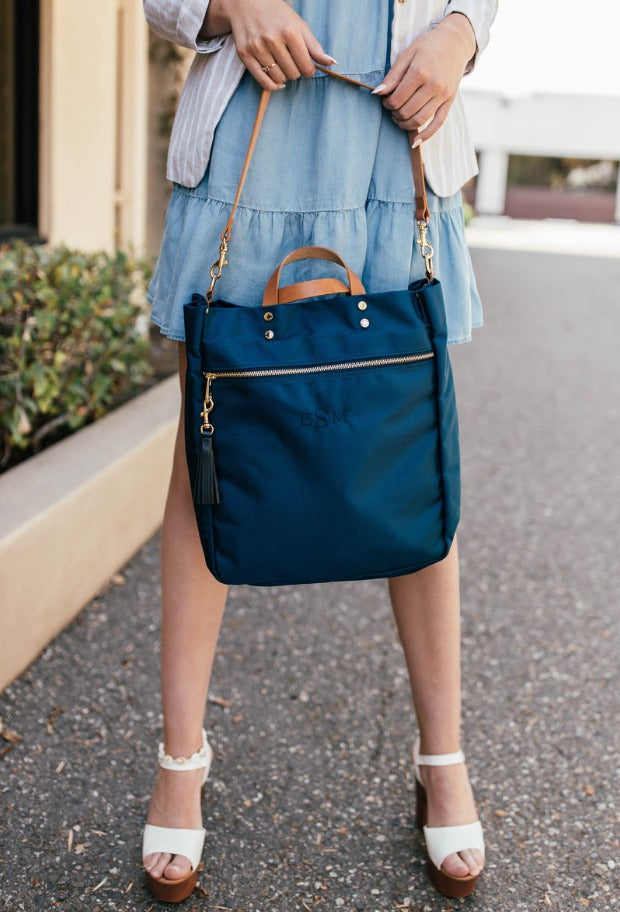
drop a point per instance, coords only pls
(194, 318)
(431, 296)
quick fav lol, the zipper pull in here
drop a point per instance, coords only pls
(204, 483)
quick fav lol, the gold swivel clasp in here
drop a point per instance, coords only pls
(216, 270)
(425, 249)
(207, 407)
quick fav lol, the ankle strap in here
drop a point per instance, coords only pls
(434, 759)
(199, 760)
(440, 759)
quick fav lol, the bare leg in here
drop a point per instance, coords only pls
(192, 609)
(427, 611)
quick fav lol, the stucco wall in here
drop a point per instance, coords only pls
(93, 135)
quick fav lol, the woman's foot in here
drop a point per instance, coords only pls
(175, 803)
(450, 802)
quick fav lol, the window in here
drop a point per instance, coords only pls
(19, 118)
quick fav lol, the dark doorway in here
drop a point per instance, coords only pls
(19, 118)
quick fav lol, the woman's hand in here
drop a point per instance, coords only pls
(267, 34)
(421, 86)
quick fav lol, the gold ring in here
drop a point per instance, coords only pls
(266, 69)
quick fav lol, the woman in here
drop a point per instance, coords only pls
(331, 168)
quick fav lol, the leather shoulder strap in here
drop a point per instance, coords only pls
(417, 166)
(422, 212)
(260, 116)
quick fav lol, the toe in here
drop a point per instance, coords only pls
(455, 866)
(473, 859)
(180, 866)
(161, 860)
(151, 861)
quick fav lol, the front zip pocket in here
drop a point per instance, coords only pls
(204, 484)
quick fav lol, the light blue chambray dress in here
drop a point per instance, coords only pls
(330, 169)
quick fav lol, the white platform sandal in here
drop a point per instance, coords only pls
(177, 841)
(443, 841)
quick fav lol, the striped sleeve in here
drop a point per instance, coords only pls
(481, 14)
(209, 86)
(180, 21)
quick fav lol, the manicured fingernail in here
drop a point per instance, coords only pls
(416, 144)
(380, 88)
(283, 86)
(333, 60)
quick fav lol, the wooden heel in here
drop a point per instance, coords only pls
(167, 890)
(420, 805)
(453, 887)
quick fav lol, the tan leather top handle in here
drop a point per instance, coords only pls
(276, 295)
(422, 213)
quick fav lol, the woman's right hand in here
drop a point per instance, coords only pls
(267, 32)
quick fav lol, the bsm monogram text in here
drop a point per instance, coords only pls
(325, 416)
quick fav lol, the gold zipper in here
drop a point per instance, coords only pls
(318, 368)
(292, 371)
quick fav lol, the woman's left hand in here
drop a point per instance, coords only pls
(421, 86)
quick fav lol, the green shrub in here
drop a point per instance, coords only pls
(71, 346)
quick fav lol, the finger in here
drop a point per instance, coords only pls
(413, 81)
(416, 107)
(285, 67)
(276, 73)
(299, 51)
(263, 79)
(315, 49)
(419, 120)
(285, 60)
(440, 115)
(395, 74)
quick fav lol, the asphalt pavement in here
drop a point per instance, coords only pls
(310, 805)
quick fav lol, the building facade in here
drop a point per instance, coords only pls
(81, 147)
(87, 98)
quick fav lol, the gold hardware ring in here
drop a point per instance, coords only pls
(266, 69)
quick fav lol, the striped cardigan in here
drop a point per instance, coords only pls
(449, 156)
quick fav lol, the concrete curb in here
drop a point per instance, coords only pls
(72, 515)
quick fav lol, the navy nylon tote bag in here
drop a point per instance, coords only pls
(321, 430)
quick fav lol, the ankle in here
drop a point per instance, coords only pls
(442, 735)
(182, 742)
(455, 774)
(431, 745)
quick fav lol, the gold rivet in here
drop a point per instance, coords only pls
(269, 334)
(268, 316)
(362, 305)
(364, 323)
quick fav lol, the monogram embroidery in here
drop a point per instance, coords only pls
(325, 416)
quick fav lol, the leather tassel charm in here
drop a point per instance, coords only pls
(204, 487)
